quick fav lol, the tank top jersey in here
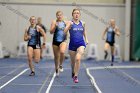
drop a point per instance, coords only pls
(76, 33)
(110, 35)
(35, 36)
(59, 35)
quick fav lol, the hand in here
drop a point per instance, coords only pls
(71, 23)
(43, 46)
(29, 37)
(56, 24)
(87, 42)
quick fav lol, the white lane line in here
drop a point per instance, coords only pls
(107, 67)
(112, 67)
(25, 66)
(46, 80)
(52, 85)
(8, 67)
(26, 84)
(13, 78)
(93, 81)
(73, 86)
(12, 71)
(129, 76)
(49, 87)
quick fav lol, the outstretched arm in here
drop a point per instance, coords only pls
(117, 31)
(85, 34)
(68, 25)
(53, 26)
(26, 36)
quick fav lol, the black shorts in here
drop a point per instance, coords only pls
(110, 43)
(35, 46)
(56, 43)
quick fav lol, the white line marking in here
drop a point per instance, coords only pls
(26, 84)
(49, 87)
(12, 71)
(72, 85)
(110, 67)
(52, 85)
(8, 67)
(93, 81)
(137, 81)
(46, 80)
(25, 66)
(13, 78)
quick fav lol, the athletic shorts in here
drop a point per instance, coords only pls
(35, 46)
(74, 47)
(56, 43)
(110, 43)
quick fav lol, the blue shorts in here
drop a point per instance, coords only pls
(74, 47)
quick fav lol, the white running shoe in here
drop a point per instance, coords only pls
(57, 72)
(61, 68)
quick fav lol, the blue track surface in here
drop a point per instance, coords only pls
(116, 80)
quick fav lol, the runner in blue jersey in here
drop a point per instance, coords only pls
(78, 41)
(110, 32)
(59, 41)
(32, 35)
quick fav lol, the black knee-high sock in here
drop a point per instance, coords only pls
(112, 58)
(106, 53)
(72, 68)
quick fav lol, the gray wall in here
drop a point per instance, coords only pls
(67, 1)
(14, 22)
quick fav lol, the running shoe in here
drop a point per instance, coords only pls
(111, 63)
(57, 72)
(61, 68)
(32, 73)
(75, 79)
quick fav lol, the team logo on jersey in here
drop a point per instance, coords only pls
(78, 29)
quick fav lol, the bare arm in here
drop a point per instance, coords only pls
(53, 26)
(104, 33)
(117, 31)
(85, 34)
(26, 36)
(68, 25)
